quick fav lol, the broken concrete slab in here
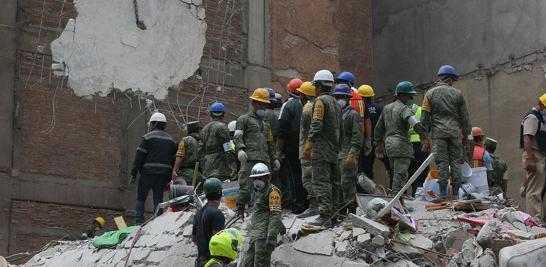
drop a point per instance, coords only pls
(363, 240)
(344, 235)
(156, 257)
(358, 231)
(187, 231)
(321, 243)
(341, 248)
(285, 255)
(370, 226)
(421, 241)
(378, 240)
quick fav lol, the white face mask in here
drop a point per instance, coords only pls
(342, 102)
(259, 184)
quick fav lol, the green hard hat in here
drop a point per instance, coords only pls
(212, 185)
(405, 87)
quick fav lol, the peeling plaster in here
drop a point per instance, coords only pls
(102, 48)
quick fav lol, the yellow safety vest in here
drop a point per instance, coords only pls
(414, 137)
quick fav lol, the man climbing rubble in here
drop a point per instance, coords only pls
(533, 142)
(154, 161)
(393, 137)
(254, 141)
(208, 221)
(322, 148)
(223, 247)
(91, 231)
(351, 143)
(445, 114)
(218, 154)
(266, 223)
(187, 154)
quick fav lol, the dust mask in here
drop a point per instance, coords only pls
(342, 102)
(259, 184)
(260, 113)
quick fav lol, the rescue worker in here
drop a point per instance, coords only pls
(270, 116)
(254, 141)
(237, 165)
(231, 128)
(208, 220)
(187, 154)
(307, 98)
(218, 154)
(154, 161)
(287, 149)
(444, 115)
(351, 144)
(392, 134)
(499, 179)
(480, 157)
(266, 223)
(359, 105)
(419, 156)
(322, 148)
(91, 231)
(533, 142)
(223, 247)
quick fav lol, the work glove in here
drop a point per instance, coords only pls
(270, 244)
(350, 162)
(242, 156)
(133, 179)
(425, 145)
(531, 165)
(276, 165)
(367, 146)
(380, 150)
(307, 150)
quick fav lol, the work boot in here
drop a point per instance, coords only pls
(311, 211)
(321, 222)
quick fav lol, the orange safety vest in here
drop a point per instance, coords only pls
(358, 104)
(477, 158)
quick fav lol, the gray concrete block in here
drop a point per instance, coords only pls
(358, 231)
(370, 226)
(321, 243)
(341, 248)
(187, 231)
(363, 240)
(378, 240)
(344, 235)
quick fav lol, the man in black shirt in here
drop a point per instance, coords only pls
(208, 221)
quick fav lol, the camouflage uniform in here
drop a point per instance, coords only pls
(352, 138)
(216, 150)
(393, 127)
(499, 170)
(254, 136)
(266, 224)
(188, 149)
(324, 135)
(445, 114)
(306, 172)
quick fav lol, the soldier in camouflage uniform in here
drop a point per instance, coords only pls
(499, 178)
(266, 223)
(187, 155)
(306, 97)
(218, 155)
(352, 138)
(254, 141)
(322, 148)
(392, 134)
(444, 115)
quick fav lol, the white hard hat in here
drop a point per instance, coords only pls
(159, 117)
(231, 126)
(259, 170)
(324, 75)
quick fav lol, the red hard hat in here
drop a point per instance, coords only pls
(293, 85)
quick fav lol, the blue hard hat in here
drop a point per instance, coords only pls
(217, 107)
(448, 70)
(342, 89)
(271, 94)
(346, 76)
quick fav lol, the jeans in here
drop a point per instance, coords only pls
(146, 182)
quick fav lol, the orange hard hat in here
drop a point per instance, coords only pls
(477, 131)
(293, 85)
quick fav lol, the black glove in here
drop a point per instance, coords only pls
(270, 244)
(283, 231)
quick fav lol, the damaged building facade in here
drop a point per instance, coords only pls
(80, 78)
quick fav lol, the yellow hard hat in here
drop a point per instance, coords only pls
(542, 99)
(260, 95)
(365, 91)
(307, 89)
(101, 221)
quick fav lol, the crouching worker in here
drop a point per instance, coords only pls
(223, 247)
(208, 221)
(266, 221)
(91, 231)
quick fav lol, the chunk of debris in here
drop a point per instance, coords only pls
(363, 240)
(378, 240)
(370, 226)
(321, 243)
(358, 231)
(341, 248)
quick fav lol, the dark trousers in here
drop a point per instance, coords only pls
(365, 165)
(418, 158)
(146, 182)
(293, 171)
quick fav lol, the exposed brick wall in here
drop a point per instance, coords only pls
(30, 223)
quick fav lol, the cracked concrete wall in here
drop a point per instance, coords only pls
(102, 48)
(334, 35)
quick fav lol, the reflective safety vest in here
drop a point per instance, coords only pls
(214, 263)
(357, 102)
(414, 137)
(477, 158)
